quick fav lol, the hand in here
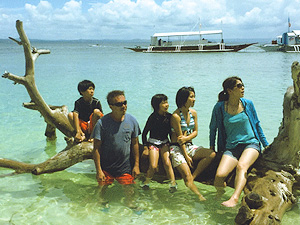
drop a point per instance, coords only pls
(100, 176)
(80, 136)
(189, 161)
(145, 153)
(181, 139)
(135, 171)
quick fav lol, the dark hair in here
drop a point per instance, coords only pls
(84, 85)
(228, 83)
(156, 100)
(113, 94)
(182, 95)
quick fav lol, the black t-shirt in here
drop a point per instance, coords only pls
(159, 127)
(85, 109)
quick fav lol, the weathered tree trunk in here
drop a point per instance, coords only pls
(268, 192)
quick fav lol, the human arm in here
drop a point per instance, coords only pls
(135, 150)
(188, 138)
(96, 156)
(213, 127)
(144, 136)
(175, 124)
(256, 123)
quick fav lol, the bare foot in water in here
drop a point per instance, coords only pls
(230, 203)
(201, 198)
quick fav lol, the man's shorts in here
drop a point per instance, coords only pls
(123, 179)
(177, 156)
(238, 150)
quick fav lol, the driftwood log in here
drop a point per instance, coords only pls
(269, 189)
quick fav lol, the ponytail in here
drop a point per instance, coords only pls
(228, 83)
(223, 96)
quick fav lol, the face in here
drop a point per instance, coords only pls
(89, 93)
(163, 107)
(119, 105)
(190, 102)
(238, 89)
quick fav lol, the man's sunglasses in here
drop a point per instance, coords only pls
(119, 104)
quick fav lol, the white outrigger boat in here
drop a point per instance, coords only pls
(287, 42)
(182, 42)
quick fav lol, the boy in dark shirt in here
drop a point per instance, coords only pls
(86, 112)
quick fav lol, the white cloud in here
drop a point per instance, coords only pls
(127, 19)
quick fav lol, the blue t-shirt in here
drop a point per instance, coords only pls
(238, 130)
(115, 140)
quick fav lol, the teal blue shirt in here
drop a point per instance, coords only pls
(238, 130)
(217, 125)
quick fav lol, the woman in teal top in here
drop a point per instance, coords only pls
(239, 136)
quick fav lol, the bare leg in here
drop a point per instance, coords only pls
(153, 161)
(185, 172)
(167, 164)
(129, 196)
(247, 158)
(205, 156)
(227, 164)
(102, 191)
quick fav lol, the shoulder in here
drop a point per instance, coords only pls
(193, 111)
(219, 105)
(247, 102)
(95, 100)
(79, 100)
(168, 115)
(130, 117)
(175, 115)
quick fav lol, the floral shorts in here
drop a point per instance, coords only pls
(176, 153)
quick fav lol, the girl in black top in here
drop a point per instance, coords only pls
(159, 126)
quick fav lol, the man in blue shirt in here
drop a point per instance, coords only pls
(115, 136)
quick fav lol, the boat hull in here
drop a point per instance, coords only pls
(281, 48)
(191, 48)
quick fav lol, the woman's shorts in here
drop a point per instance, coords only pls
(239, 149)
(176, 153)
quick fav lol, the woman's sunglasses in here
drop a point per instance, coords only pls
(240, 85)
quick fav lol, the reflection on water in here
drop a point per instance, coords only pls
(72, 198)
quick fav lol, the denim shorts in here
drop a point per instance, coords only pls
(238, 150)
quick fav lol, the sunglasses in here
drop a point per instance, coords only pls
(119, 104)
(240, 85)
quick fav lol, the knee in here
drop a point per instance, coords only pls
(212, 155)
(70, 115)
(153, 167)
(241, 167)
(220, 176)
(97, 113)
(188, 180)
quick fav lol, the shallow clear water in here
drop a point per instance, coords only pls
(70, 196)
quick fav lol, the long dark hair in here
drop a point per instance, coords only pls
(156, 100)
(229, 83)
(182, 95)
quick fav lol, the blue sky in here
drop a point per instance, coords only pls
(139, 19)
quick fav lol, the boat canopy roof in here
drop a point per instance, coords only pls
(297, 32)
(187, 33)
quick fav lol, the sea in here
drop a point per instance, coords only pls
(71, 196)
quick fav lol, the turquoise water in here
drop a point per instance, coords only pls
(70, 196)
